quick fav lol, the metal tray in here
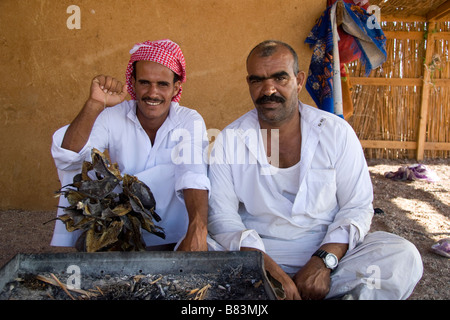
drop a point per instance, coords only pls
(118, 263)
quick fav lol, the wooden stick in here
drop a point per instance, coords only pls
(202, 292)
(100, 290)
(62, 286)
(55, 283)
(421, 137)
(154, 281)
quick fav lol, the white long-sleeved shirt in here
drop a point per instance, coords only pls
(333, 203)
(175, 162)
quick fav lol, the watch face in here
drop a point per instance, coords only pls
(331, 260)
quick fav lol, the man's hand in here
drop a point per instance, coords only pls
(195, 240)
(107, 91)
(313, 280)
(196, 201)
(290, 290)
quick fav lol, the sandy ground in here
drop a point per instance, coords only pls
(418, 211)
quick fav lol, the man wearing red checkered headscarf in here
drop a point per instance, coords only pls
(164, 52)
(146, 137)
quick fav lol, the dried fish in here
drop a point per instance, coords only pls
(109, 220)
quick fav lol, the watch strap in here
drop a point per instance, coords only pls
(320, 253)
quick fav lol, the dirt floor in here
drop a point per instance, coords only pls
(418, 211)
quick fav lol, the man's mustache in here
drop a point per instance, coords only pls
(271, 98)
(146, 98)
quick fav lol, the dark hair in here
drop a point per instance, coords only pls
(269, 47)
(133, 73)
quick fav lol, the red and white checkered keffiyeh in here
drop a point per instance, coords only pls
(165, 52)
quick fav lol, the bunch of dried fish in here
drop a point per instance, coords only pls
(110, 221)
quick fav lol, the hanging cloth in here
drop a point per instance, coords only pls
(342, 34)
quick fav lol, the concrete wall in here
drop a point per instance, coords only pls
(46, 68)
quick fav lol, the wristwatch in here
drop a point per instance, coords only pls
(330, 260)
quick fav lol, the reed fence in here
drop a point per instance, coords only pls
(402, 109)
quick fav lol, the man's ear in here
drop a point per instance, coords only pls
(176, 88)
(301, 76)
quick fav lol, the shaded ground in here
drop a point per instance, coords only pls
(418, 211)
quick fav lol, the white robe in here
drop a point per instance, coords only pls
(162, 166)
(333, 204)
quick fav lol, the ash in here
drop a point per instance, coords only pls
(224, 286)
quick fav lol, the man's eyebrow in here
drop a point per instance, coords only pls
(275, 75)
(280, 74)
(163, 82)
(144, 81)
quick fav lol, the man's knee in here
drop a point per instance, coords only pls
(398, 248)
(386, 266)
(400, 264)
